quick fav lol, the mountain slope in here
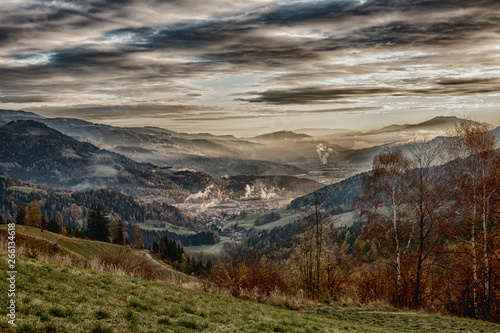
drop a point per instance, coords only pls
(216, 155)
(439, 123)
(36, 153)
(33, 152)
(282, 135)
(6, 116)
(337, 198)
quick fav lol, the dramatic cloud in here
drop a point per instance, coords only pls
(313, 95)
(218, 62)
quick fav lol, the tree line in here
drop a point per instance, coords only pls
(71, 209)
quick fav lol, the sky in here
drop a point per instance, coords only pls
(251, 67)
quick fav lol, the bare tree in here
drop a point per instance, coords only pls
(475, 162)
(308, 254)
(425, 201)
(385, 190)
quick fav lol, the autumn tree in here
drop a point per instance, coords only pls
(33, 216)
(474, 164)
(309, 252)
(425, 200)
(138, 237)
(384, 194)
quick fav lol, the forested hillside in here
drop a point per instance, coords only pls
(72, 208)
(337, 198)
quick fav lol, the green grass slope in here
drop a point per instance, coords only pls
(212, 249)
(85, 248)
(151, 225)
(248, 221)
(53, 297)
(84, 252)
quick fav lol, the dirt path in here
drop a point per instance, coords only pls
(157, 262)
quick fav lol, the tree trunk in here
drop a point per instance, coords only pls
(398, 251)
(474, 269)
(486, 259)
(416, 297)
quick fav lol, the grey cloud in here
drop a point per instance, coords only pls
(318, 95)
(105, 112)
(123, 53)
(314, 95)
(471, 81)
(334, 110)
(23, 99)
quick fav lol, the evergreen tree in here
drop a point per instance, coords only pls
(44, 223)
(53, 226)
(97, 223)
(21, 215)
(118, 237)
(171, 250)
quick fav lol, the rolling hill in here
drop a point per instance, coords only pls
(68, 298)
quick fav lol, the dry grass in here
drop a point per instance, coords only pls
(59, 298)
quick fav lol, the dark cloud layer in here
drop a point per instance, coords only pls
(188, 56)
(313, 95)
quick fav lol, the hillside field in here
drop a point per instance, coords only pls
(248, 221)
(53, 297)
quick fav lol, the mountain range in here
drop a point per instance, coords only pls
(148, 161)
(35, 153)
(280, 153)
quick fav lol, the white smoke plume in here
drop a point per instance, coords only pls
(259, 191)
(324, 152)
(264, 194)
(248, 191)
(200, 195)
(210, 204)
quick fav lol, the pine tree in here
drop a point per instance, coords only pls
(97, 223)
(21, 215)
(43, 223)
(117, 233)
(53, 226)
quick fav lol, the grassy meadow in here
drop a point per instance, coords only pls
(212, 249)
(150, 225)
(53, 297)
(248, 221)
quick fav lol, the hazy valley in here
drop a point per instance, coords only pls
(250, 217)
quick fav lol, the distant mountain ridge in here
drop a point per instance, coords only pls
(436, 123)
(216, 155)
(282, 135)
(287, 153)
(35, 153)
